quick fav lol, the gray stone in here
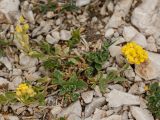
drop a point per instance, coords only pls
(141, 114)
(56, 110)
(80, 3)
(65, 35)
(98, 114)
(115, 50)
(6, 62)
(51, 39)
(149, 70)
(121, 10)
(74, 108)
(96, 103)
(113, 117)
(109, 33)
(73, 117)
(87, 96)
(9, 10)
(117, 98)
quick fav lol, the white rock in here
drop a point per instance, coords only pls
(27, 12)
(73, 117)
(116, 86)
(16, 81)
(44, 28)
(117, 98)
(65, 35)
(56, 35)
(56, 110)
(96, 103)
(129, 32)
(51, 39)
(80, 3)
(16, 72)
(109, 33)
(98, 114)
(113, 117)
(110, 6)
(147, 20)
(121, 10)
(87, 96)
(141, 114)
(13, 118)
(6, 62)
(97, 91)
(27, 61)
(89, 118)
(74, 108)
(115, 50)
(140, 39)
(9, 10)
(4, 82)
(149, 70)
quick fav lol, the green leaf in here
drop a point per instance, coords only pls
(75, 39)
(51, 63)
(58, 78)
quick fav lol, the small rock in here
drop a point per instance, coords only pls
(122, 97)
(9, 10)
(149, 70)
(129, 73)
(97, 91)
(96, 103)
(141, 114)
(16, 81)
(98, 114)
(80, 3)
(9, 117)
(74, 108)
(140, 39)
(121, 10)
(115, 50)
(113, 117)
(51, 40)
(27, 12)
(87, 96)
(56, 110)
(6, 62)
(17, 72)
(65, 35)
(116, 86)
(73, 117)
(110, 6)
(44, 28)
(109, 33)
(27, 61)
(4, 83)
(129, 32)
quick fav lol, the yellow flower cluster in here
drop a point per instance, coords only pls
(134, 53)
(25, 90)
(22, 26)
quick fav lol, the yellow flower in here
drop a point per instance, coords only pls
(25, 90)
(25, 27)
(134, 53)
(19, 29)
(146, 88)
(21, 19)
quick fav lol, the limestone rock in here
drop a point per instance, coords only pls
(121, 10)
(141, 114)
(147, 20)
(9, 10)
(80, 3)
(96, 103)
(113, 117)
(6, 62)
(87, 96)
(65, 35)
(74, 108)
(117, 98)
(151, 69)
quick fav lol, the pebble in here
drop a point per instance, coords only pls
(65, 35)
(87, 96)
(80, 3)
(96, 103)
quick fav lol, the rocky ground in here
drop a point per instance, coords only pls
(119, 21)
